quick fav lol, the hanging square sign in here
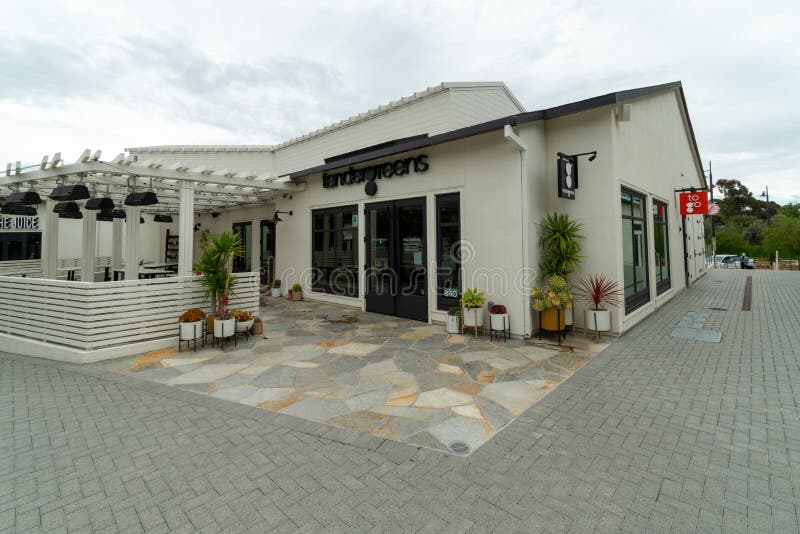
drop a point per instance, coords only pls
(567, 177)
(695, 203)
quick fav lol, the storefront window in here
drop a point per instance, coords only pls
(243, 263)
(16, 246)
(634, 250)
(661, 235)
(448, 238)
(334, 251)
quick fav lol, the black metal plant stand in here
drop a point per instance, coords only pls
(223, 338)
(189, 341)
(558, 332)
(506, 331)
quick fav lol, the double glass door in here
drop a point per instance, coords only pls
(396, 273)
(267, 256)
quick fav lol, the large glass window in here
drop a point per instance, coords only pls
(243, 263)
(448, 253)
(661, 235)
(634, 250)
(334, 251)
(15, 246)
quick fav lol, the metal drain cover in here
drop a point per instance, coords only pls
(719, 309)
(459, 448)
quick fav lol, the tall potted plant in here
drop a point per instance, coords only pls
(472, 308)
(599, 291)
(559, 236)
(215, 265)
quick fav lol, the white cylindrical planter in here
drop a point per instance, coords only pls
(597, 320)
(452, 324)
(276, 292)
(472, 316)
(190, 331)
(244, 326)
(224, 328)
(498, 321)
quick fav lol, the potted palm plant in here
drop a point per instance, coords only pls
(472, 308)
(215, 265)
(559, 236)
(550, 299)
(599, 291)
(453, 316)
(276, 288)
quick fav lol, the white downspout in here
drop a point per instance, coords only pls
(526, 258)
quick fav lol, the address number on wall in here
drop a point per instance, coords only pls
(451, 292)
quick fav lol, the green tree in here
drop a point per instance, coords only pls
(790, 210)
(784, 236)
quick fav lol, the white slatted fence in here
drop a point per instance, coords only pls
(99, 315)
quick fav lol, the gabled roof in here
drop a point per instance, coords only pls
(391, 148)
(405, 101)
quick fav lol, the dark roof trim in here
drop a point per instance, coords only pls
(414, 143)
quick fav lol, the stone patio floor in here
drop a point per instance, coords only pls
(394, 378)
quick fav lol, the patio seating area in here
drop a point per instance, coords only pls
(398, 379)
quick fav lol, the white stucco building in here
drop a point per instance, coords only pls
(459, 163)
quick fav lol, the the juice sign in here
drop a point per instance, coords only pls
(693, 203)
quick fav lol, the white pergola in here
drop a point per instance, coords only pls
(181, 191)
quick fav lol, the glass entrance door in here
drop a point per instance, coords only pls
(267, 228)
(242, 263)
(396, 274)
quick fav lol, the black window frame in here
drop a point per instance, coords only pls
(642, 297)
(352, 291)
(27, 238)
(447, 200)
(240, 264)
(663, 284)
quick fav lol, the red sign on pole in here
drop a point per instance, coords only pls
(693, 203)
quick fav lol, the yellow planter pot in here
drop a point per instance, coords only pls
(550, 319)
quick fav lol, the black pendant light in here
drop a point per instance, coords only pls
(24, 198)
(162, 218)
(105, 216)
(118, 214)
(70, 215)
(101, 204)
(141, 220)
(145, 198)
(66, 207)
(18, 209)
(70, 192)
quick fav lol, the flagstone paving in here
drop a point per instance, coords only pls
(394, 378)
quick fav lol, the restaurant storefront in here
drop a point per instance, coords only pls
(400, 209)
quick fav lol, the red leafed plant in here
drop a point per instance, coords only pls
(498, 309)
(599, 289)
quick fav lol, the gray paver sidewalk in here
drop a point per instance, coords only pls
(655, 434)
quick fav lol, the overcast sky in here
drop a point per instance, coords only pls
(109, 75)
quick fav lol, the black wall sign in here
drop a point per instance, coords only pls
(399, 167)
(567, 177)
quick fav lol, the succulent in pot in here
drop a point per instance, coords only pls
(453, 320)
(191, 324)
(244, 320)
(599, 291)
(276, 288)
(498, 317)
(472, 307)
(296, 293)
(551, 299)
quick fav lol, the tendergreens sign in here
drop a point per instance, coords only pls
(19, 223)
(353, 175)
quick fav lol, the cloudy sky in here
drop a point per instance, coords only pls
(109, 74)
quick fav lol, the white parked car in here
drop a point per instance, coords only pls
(731, 261)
